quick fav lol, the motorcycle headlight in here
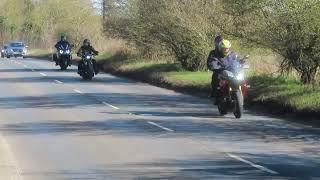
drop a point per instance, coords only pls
(61, 52)
(2, 50)
(88, 57)
(240, 77)
(68, 51)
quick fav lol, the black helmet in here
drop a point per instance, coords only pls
(217, 40)
(86, 42)
(63, 38)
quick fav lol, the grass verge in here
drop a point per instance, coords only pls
(40, 53)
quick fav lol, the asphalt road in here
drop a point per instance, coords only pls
(54, 125)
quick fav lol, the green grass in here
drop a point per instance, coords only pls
(103, 56)
(39, 52)
(287, 92)
(192, 79)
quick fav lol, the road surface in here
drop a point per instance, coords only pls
(54, 126)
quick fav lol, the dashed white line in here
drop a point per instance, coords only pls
(146, 114)
(262, 168)
(58, 82)
(78, 91)
(25, 66)
(110, 105)
(159, 126)
(43, 74)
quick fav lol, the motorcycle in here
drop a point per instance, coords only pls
(64, 56)
(85, 67)
(232, 88)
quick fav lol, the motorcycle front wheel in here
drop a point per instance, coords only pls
(222, 107)
(238, 104)
(88, 78)
(63, 64)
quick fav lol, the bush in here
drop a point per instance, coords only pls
(181, 29)
(289, 27)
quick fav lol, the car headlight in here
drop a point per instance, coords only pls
(2, 50)
(68, 51)
(61, 52)
(240, 77)
(88, 57)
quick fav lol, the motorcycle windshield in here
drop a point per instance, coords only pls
(64, 47)
(231, 63)
(234, 66)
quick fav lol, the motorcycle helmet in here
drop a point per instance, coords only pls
(225, 46)
(63, 38)
(217, 40)
(86, 42)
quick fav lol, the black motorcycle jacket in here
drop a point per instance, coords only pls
(86, 49)
(213, 56)
(62, 43)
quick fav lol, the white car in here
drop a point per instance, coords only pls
(16, 49)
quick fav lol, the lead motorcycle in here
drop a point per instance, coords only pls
(232, 87)
(85, 67)
(64, 56)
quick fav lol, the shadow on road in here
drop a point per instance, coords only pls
(170, 169)
(65, 79)
(39, 70)
(187, 169)
(185, 116)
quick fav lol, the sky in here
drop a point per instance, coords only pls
(97, 4)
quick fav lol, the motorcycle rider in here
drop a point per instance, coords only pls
(219, 60)
(213, 56)
(86, 47)
(63, 41)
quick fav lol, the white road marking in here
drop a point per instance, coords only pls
(33, 70)
(252, 164)
(159, 126)
(78, 91)
(25, 66)
(107, 104)
(58, 82)
(146, 114)
(43, 74)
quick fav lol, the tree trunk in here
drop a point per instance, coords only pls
(309, 76)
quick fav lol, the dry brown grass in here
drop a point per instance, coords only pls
(265, 64)
(115, 46)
